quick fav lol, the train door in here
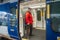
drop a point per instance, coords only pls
(53, 21)
(4, 10)
(13, 21)
(40, 18)
(8, 20)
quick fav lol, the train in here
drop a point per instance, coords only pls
(53, 20)
(9, 19)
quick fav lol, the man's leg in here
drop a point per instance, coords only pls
(28, 31)
(31, 28)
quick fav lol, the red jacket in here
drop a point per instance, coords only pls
(28, 18)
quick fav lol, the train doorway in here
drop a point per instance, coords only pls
(38, 14)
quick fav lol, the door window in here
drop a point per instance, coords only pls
(3, 18)
(38, 15)
(13, 17)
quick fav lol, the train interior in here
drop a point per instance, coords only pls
(39, 22)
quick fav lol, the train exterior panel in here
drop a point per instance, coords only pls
(9, 20)
(53, 20)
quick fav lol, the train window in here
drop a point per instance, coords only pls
(13, 17)
(55, 16)
(13, 10)
(38, 15)
(3, 19)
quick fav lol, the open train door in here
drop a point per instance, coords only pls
(13, 23)
(9, 20)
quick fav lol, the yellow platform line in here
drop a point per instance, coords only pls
(24, 39)
(40, 28)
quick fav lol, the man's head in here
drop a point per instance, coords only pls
(29, 9)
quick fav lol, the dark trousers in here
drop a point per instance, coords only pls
(31, 28)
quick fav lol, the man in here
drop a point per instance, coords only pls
(29, 21)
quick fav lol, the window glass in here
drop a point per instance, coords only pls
(25, 0)
(13, 17)
(3, 19)
(38, 15)
(55, 16)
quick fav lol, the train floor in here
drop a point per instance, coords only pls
(38, 35)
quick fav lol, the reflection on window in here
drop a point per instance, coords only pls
(13, 17)
(55, 17)
(3, 19)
